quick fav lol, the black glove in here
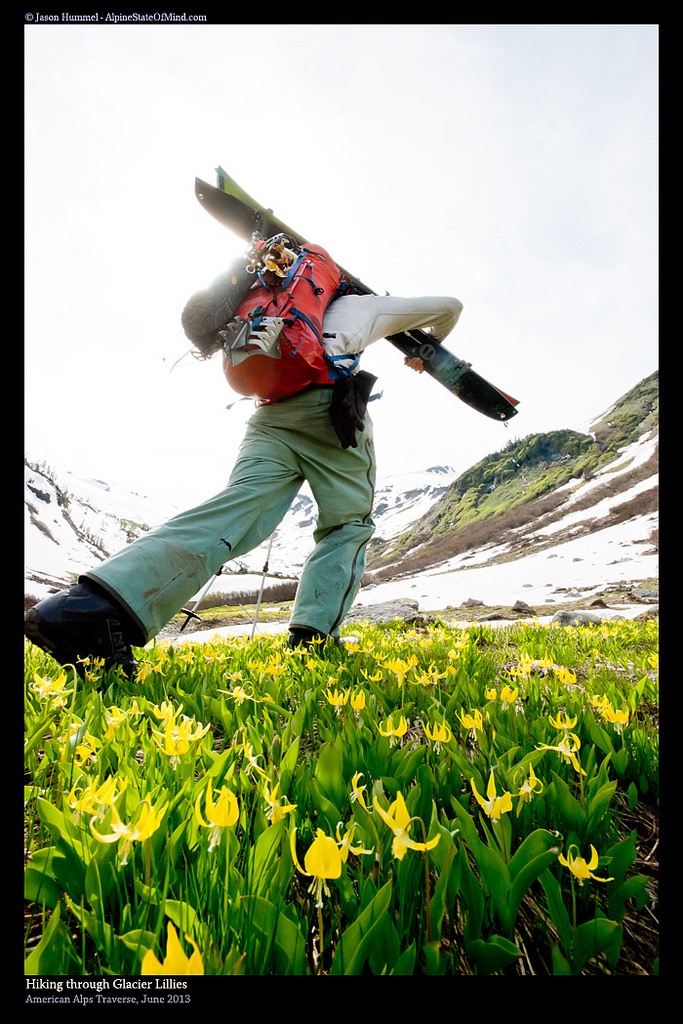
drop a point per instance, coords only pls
(350, 397)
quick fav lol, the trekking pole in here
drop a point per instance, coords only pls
(191, 612)
(263, 583)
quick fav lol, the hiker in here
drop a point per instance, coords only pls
(321, 434)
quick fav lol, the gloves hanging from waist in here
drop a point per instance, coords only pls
(350, 397)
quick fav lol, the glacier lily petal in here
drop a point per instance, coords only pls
(176, 961)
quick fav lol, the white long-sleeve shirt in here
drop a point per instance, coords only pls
(353, 322)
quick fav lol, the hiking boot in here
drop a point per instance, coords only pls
(311, 639)
(82, 622)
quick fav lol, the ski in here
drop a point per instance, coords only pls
(236, 210)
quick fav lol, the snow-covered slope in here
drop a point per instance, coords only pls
(581, 551)
(71, 524)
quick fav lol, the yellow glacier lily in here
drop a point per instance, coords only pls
(393, 731)
(618, 718)
(323, 860)
(337, 698)
(275, 809)
(440, 733)
(401, 668)
(251, 758)
(531, 787)
(578, 866)
(357, 791)
(166, 712)
(474, 721)
(146, 820)
(358, 700)
(178, 737)
(221, 814)
(495, 806)
(568, 749)
(114, 717)
(561, 723)
(52, 690)
(95, 799)
(345, 843)
(176, 962)
(431, 676)
(398, 819)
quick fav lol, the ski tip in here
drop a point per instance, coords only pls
(508, 398)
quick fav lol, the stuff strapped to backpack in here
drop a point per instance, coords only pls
(273, 347)
(266, 313)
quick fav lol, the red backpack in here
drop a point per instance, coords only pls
(273, 347)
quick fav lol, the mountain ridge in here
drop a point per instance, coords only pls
(539, 476)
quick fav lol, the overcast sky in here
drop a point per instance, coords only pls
(513, 166)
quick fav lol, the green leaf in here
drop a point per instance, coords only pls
(634, 888)
(353, 948)
(535, 845)
(405, 965)
(526, 876)
(594, 937)
(490, 955)
(139, 941)
(383, 944)
(55, 952)
(468, 829)
(264, 859)
(405, 764)
(288, 766)
(100, 873)
(329, 774)
(326, 808)
(435, 962)
(561, 966)
(473, 897)
(556, 908)
(183, 916)
(496, 879)
(37, 735)
(100, 931)
(448, 866)
(599, 736)
(621, 857)
(597, 804)
(179, 840)
(289, 947)
(60, 826)
(422, 805)
(348, 900)
(40, 885)
(567, 807)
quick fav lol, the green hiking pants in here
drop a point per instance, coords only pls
(284, 445)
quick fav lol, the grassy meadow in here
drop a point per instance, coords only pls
(444, 800)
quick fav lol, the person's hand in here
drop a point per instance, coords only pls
(415, 363)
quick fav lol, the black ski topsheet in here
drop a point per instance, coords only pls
(238, 211)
